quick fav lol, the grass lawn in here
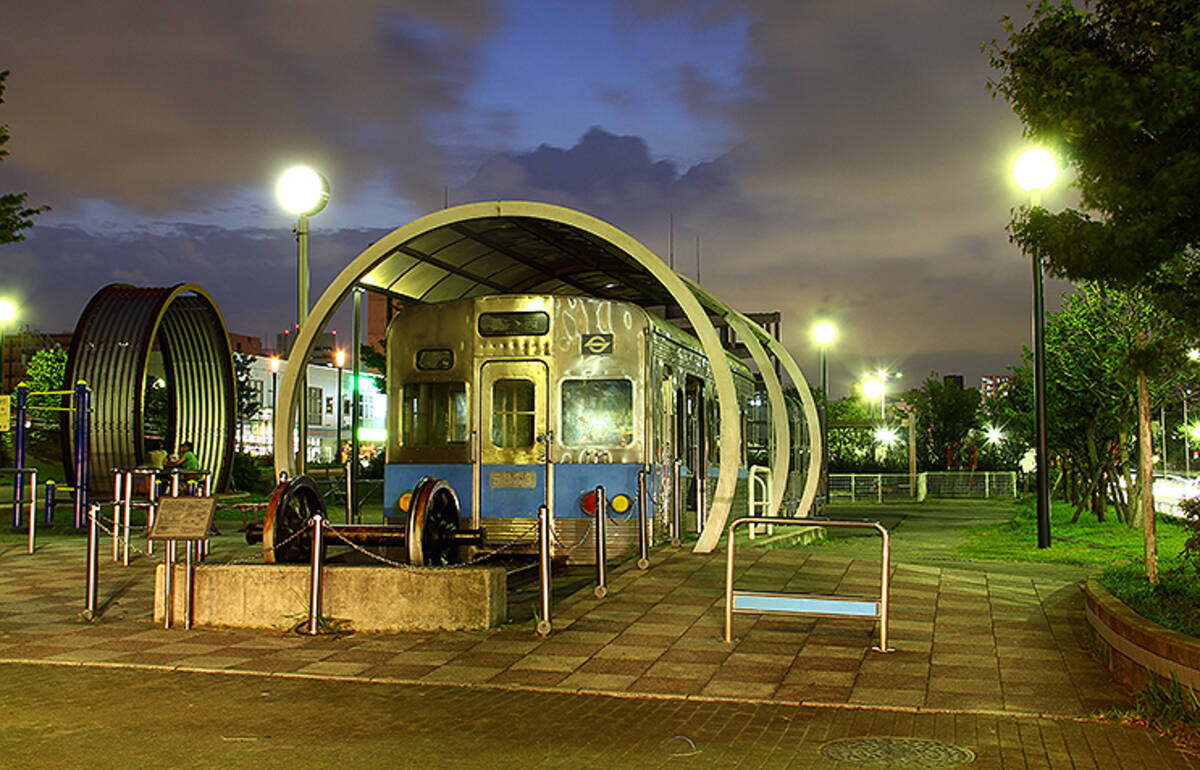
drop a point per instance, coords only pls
(1086, 542)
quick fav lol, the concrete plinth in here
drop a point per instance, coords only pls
(365, 598)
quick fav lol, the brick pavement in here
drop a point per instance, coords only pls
(991, 660)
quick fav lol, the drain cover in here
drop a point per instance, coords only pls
(896, 752)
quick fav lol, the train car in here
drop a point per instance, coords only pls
(520, 401)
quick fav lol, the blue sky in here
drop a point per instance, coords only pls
(834, 159)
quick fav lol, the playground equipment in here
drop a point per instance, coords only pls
(112, 345)
(77, 405)
(432, 535)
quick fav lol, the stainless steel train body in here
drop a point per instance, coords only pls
(519, 401)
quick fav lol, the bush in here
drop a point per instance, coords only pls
(248, 474)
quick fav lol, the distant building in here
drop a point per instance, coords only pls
(19, 346)
(955, 380)
(322, 352)
(244, 343)
(995, 385)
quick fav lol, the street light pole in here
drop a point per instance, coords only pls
(8, 311)
(303, 192)
(1034, 170)
(824, 334)
(340, 357)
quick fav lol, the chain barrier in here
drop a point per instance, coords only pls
(564, 546)
(119, 538)
(519, 540)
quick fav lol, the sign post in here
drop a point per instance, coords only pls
(181, 518)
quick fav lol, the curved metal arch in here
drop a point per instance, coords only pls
(110, 350)
(394, 242)
(809, 405)
(779, 419)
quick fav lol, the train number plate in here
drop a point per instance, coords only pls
(513, 479)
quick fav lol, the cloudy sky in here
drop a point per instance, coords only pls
(837, 159)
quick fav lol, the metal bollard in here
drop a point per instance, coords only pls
(92, 595)
(676, 507)
(314, 599)
(349, 507)
(187, 584)
(543, 625)
(601, 556)
(51, 490)
(32, 507)
(118, 496)
(168, 583)
(128, 515)
(643, 535)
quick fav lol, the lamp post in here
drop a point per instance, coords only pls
(1034, 171)
(339, 357)
(8, 311)
(303, 192)
(273, 365)
(824, 333)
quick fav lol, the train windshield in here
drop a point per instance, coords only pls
(435, 414)
(597, 413)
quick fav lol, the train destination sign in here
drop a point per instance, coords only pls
(183, 518)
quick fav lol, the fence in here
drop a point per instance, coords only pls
(894, 487)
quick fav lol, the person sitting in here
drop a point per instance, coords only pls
(156, 457)
(186, 460)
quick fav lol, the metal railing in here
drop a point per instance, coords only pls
(891, 487)
(810, 605)
(757, 506)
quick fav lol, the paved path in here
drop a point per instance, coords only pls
(986, 660)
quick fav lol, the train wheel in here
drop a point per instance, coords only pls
(432, 522)
(291, 506)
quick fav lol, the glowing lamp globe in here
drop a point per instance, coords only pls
(824, 333)
(1035, 170)
(8, 311)
(872, 389)
(302, 191)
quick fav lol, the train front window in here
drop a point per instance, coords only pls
(435, 414)
(597, 413)
(512, 414)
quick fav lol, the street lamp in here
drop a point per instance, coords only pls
(824, 333)
(273, 365)
(303, 192)
(1034, 171)
(339, 357)
(8, 311)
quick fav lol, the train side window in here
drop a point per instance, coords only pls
(435, 414)
(512, 414)
(597, 413)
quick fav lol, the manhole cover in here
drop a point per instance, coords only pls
(896, 752)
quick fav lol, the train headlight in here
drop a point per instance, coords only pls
(620, 503)
(587, 502)
(405, 501)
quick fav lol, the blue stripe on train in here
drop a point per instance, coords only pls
(516, 491)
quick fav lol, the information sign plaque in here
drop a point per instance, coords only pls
(183, 518)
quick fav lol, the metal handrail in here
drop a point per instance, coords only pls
(759, 476)
(807, 604)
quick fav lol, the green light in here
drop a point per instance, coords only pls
(364, 384)
(372, 434)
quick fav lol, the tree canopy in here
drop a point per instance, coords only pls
(15, 216)
(1114, 87)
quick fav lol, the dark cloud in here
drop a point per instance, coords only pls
(164, 106)
(250, 273)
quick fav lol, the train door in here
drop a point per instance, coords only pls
(515, 473)
(689, 411)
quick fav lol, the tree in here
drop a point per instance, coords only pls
(249, 398)
(15, 216)
(946, 415)
(1115, 86)
(371, 358)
